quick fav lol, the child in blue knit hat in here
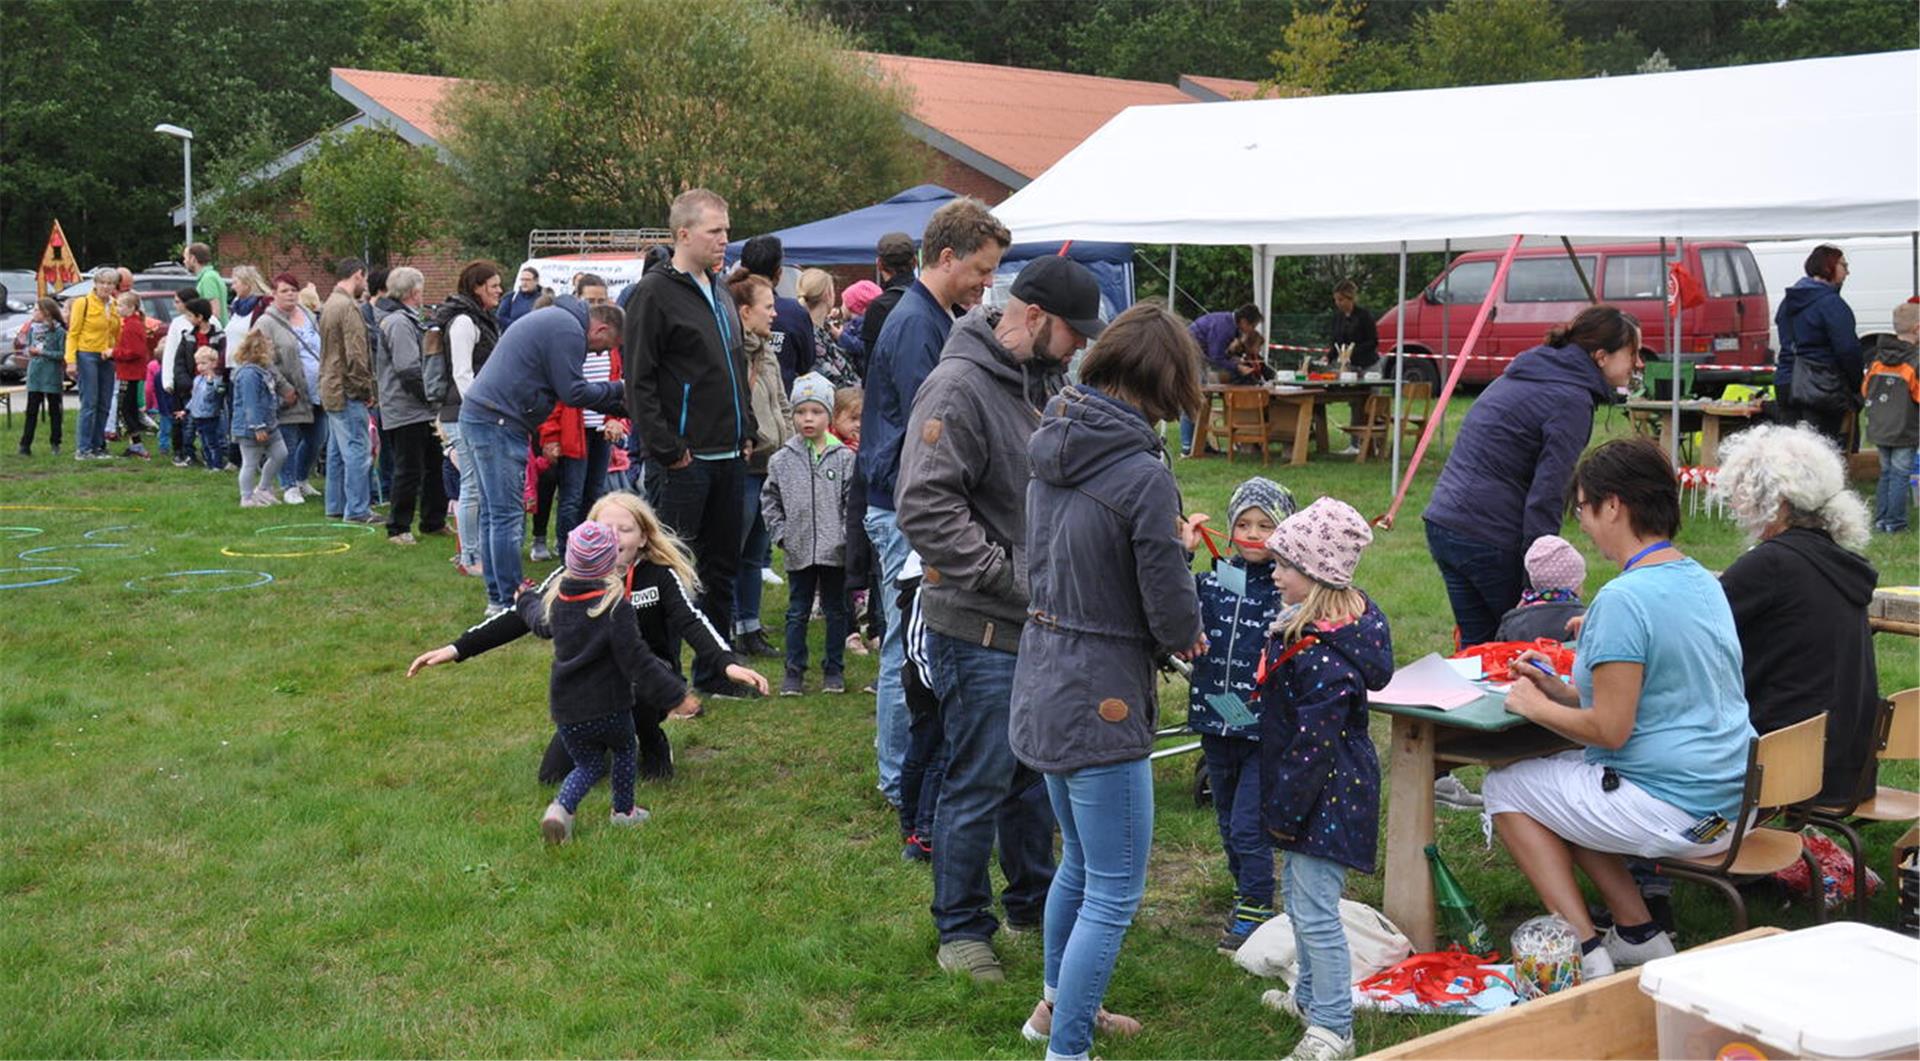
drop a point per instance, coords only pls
(1237, 601)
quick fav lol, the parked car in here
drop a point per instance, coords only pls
(16, 311)
(1543, 290)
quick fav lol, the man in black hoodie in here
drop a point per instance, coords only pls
(686, 374)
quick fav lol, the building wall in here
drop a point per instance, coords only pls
(439, 262)
(949, 172)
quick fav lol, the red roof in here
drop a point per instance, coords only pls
(412, 98)
(1022, 120)
(1026, 120)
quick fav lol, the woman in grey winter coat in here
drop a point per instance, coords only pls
(296, 346)
(1110, 590)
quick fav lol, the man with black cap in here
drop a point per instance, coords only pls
(961, 503)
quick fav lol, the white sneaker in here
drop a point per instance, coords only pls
(1319, 1044)
(1281, 999)
(557, 824)
(1627, 955)
(307, 489)
(767, 576)
(1450, 791)
(293, 496)
(1595, 964)
(266, 497)
(632, 818)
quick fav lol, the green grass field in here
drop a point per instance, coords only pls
(234, 828)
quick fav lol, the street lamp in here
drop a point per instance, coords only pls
(185, 137)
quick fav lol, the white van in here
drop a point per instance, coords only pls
(1880, 275)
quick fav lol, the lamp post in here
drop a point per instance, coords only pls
(185, 136)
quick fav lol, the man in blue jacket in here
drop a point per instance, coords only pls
(519, 302)
(687, 383)
(793, 347)
(538, 362)
(960, 251)
(1816, 326)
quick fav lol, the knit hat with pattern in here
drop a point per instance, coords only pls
(1553, 563)
(1324, 541)
(591, 550)
(1264, 494)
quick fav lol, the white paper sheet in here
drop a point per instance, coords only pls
(1428, 682)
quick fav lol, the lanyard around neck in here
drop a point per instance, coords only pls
(1644, 553)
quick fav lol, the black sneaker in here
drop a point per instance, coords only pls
(755, 643)
(791, 685)
(725, 689)
(833, 683)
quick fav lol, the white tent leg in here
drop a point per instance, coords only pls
(1173, 278)
(1399, 365)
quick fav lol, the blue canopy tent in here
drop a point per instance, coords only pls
(849, 239)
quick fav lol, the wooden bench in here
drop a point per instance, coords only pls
(1607, 1018)
(6, 400)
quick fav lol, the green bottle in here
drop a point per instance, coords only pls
(1464, 925)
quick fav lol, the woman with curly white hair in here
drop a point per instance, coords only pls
(1799, 596)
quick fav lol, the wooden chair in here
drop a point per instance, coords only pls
(1247, 422)
(1370, 431)
(1896, 738)
(1783, 770)
(1416, 408)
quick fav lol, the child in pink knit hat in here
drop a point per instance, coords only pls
(1556, 572)
(1319, 773)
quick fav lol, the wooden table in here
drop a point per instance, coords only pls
(1712, 416)
(1482, 733)
(1295, 409)
(1895, 610)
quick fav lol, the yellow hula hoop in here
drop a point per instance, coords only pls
(338, 547)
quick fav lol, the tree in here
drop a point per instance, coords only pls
(598, 113)
(369, 193)
(1798, 29)
(1491, 42)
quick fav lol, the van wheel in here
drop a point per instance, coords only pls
(1419, 370)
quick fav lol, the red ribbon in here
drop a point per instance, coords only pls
(1431, 977)
(1260, 673)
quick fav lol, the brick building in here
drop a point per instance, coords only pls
(989, 130)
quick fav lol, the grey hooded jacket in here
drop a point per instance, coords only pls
(805, 502)
(961, 496)
(1111, 587)
(398, 380)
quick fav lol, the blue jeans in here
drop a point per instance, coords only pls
(95, 376)
(1106, 828)
(349, 462)
(1187, 427)
(468, 519)
(701, 502)
(581, 483)
(1483, 580)
(500, 472)
(986, 795)
(1233, 772)
(1890, 497)
(756, 555)
(890, 738)
(1325, 988)
(213, 444)
(830, 583)
(303, 448)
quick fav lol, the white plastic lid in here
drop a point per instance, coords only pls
(1836, 990)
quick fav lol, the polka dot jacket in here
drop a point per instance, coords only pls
(1319, 773)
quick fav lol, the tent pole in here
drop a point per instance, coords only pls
(1916, 264)
(1263, 287)
(1579, 272)
(1673, 343)
(1399, 365)
(1173, 278)
(1446, 290)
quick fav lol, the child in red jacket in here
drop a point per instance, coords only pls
(130, 357)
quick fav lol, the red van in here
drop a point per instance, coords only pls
(1543, 290)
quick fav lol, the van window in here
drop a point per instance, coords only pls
(1547, 280)
(1750, 281)
(1635, 276)
(1467, 282)
(1722, 279)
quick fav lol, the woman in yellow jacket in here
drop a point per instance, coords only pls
(93, 326)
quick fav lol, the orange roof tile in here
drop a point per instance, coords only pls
(1023, 119)
(412, 98)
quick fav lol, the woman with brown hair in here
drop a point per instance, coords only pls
(1085, 690)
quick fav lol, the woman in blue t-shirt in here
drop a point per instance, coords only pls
(1657, 704)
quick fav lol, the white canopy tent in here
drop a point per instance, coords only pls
(1816, 147)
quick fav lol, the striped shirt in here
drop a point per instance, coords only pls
(597, 369)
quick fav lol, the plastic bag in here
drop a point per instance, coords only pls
(1373, 943)
(1496, 657)
(1836, 871)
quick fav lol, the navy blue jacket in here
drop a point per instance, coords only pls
(1815, 323)
(534, 366)
(1505, 482)
(1109, 588)
(907, 349)
(1215, 332)
(1319, 774)
(1236, 629)
(514, 306)
(793, 343)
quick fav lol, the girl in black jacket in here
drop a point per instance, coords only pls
(661, 588)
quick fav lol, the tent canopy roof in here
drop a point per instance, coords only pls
(849, 238)
(1815, 147)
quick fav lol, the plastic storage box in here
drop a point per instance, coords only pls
(1833, 991)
